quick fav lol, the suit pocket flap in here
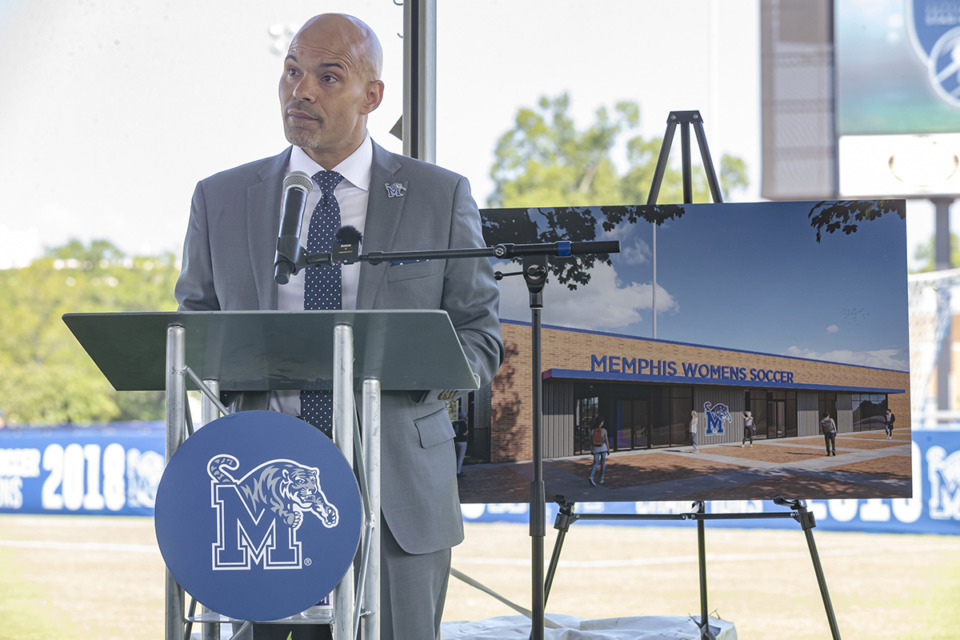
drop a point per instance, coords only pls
(434, 429)
(410, 270)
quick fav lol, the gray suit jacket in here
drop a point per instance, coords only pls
(228, 264)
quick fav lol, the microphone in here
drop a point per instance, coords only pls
(346, 246)
(296, 187)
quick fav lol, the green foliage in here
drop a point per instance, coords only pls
(48, 378)
(847, 215)
(926, 254)
(546, 161)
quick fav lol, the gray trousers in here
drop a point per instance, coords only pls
(412, 590)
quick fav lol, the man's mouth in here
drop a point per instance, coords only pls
(300, 116)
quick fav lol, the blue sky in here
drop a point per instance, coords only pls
(751, 277)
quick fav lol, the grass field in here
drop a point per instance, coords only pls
(75, 578)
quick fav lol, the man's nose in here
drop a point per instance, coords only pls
(306, 89)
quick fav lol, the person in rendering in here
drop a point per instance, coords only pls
(329, 84)
(829, 429)
(600, 448)
(693, 430)
(888, 419)
(749, 428)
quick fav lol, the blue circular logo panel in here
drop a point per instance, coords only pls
(258, 515)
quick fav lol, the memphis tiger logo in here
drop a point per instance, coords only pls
(259, 514)
(944, 474)
(717, 414)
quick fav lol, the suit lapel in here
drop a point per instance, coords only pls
(263, 221)
(383, 220)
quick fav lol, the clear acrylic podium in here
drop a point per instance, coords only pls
(262, 351)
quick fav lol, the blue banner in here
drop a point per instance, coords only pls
(115, 469)
(110, 469)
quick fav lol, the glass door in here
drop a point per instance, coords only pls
(776, 418)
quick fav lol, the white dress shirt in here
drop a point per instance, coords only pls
(352, 194)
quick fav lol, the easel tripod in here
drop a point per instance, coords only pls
(798, 510)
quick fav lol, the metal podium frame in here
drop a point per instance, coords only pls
(268, 350)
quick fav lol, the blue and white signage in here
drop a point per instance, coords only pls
(934, 28)
(717, 415)
(98, 470)
(258, 515)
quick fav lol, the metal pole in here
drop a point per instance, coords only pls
(343, 437)
(535, 276)
(176, 419)
(702, 558)
(210, 412)
(419, 119)
(708, 168)
(537, 491)
(685, 162)
(564, 518)
(371, 459)
(942, 260)
(807, 522)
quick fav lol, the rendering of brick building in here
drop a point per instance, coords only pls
(645, 389)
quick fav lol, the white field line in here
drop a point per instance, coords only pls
(693, 559)
(80, 546)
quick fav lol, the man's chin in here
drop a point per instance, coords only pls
(299, 138)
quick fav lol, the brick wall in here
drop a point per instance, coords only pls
(512, 415)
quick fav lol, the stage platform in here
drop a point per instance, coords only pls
(574, 628)
(564, 627)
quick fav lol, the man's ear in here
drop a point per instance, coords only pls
(374, 96)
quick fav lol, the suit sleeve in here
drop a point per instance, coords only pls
(471, 296)
(195, 290)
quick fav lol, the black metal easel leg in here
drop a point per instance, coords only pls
(686, 119)
(807, 523)
(705, 633)
(564, 519)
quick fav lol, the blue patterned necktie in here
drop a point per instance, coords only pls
(322, 287)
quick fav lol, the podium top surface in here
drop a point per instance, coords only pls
(276, 350)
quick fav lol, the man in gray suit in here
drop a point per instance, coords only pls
(330, 83)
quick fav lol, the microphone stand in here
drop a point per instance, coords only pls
(534, 260)
(348, 254)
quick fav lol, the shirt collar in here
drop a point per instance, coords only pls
(356, 167)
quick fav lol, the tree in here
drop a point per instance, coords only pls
(47, 376)
(926, 253)
(545, 160)
(848, 215)
(547, 164)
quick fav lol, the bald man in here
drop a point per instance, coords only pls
(330, 85)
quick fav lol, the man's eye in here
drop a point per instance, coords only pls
(292, 72)
(329, 78)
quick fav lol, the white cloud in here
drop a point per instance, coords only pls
(589, 307)
(637, 253)
(880, 359)
(833, 329)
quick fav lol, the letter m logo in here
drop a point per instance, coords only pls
(944, 474)
(246, 539)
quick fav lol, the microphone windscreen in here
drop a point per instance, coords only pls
(348, 235)
(298, 179)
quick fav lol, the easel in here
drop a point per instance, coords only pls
(798, 509)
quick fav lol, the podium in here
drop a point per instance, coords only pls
(263, 351)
